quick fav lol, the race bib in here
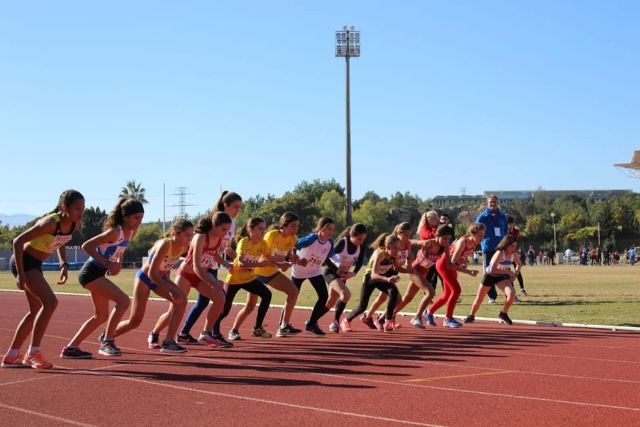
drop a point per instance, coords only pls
(207, 261)
(117, 254)
(59, 240)
(167, 264)
(496, 231)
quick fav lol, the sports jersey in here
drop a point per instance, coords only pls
(466, 252)
(426, 259)
(404, 252)
(315, 252)
(251, 251)
(277, 245)
(225, 241)
(503, 263)
(342, 259)
(207, 259)
(112, 251)
(169, 259)
(386, 263)
(48, 243)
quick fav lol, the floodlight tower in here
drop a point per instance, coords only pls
(347, 46)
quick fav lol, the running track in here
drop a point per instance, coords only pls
(481, 374)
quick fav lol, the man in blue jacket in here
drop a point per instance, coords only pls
(496, 227)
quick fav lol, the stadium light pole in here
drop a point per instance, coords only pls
(553, 220)
(348, 46)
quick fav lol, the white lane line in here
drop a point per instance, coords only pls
(511, 396)
(544, 374)
(43, 415)
(277, 403)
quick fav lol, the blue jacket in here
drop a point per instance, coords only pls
(491, 221)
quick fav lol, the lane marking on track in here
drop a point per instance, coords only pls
(486, 393)
(43, 415)
(456, 376)
(277, 403)
(545, 374)
(555, 356)
(455, 390)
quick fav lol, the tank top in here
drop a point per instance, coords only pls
(225, 241)
(403, 254)
(48, 243)
(503, 262)
(208, 253)
(426, 259)
(343, 259)
(169, 259)
(112, 251)
(466, 253)
(386, 262)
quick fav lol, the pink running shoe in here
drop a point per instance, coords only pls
(345, 325)
(389, 326)
(13, 362)
(377, 324)
(37, 361)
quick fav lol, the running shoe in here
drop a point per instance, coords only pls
(345, 325)
(368, 321)
(470, 319)
(293, 330)
(260, 332)
(36, 361)
(492, 301)
(222, 342)
(74, 353)
(431, 320)
(153, 340)
(523, 292)
(377, 324)
(417, 322)
(388, 326)
(234, 335)
(334, 327)
(450, 322)
(516, 300)
(108, 348)
(101, 337)
(314, 329)
(282, 331)
(504, 317)
(205, 338)
(187, 339)
(13, 362)
(170, 346)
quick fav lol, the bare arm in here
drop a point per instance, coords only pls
(44, 226)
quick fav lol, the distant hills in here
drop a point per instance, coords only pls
(15, 219)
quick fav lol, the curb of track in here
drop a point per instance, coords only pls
(405, 314)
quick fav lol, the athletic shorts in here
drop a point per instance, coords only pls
(89, 272)
(192, 278)
(266, 279)
(29, 262)
(147, 280)
(491, 280)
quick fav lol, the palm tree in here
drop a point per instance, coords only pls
(135, 191)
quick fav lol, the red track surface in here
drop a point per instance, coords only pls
(481, 374)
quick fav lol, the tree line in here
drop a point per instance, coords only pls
(577, 219)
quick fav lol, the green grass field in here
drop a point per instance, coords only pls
(577, 294)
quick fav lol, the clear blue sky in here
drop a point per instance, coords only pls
(248, 96)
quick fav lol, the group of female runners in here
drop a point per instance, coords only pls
(259, 262)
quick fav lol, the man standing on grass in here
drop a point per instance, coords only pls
(496, 227)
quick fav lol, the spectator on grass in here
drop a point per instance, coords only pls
(496, 227)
